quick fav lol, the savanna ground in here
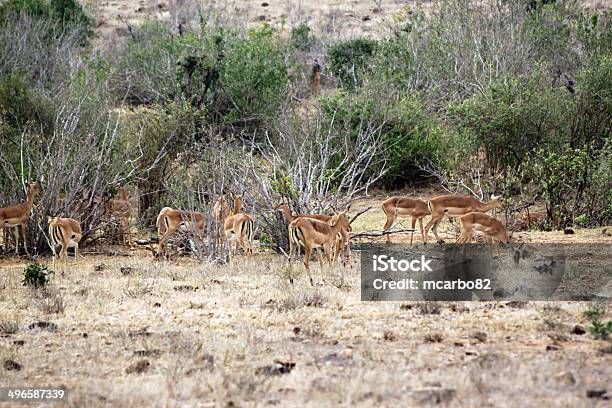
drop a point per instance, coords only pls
(128, 331)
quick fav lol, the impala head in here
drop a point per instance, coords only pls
(341, 220)
(33, 187)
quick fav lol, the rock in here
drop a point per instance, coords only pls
(138, 367)
(553, 347)
(43, 326)
(434, 396)
(126, 270)
(265, 4)
(599, 393)
(480, 336)
(277, 368)
(10, 365)
(365, 18)
(568, 231)
(566, 377)
(579, 330)
(389, 336)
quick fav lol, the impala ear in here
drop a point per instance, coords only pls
(494, 197)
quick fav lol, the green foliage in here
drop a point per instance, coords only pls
(301, 38)
(36, 275)
(514, 116)
(347, 59)
(253, 76)
(68, 13)
(598, 328)
(411, 138)
(237, 80)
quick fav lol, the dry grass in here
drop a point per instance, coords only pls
(189, 334)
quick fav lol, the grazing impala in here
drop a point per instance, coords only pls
(67, 233)
(220, 213)
(476, 221)
(455, 206)
(343, 235)
(401, 207)
(310, 233)
(17, 217)
(170, 221)
(239, 228)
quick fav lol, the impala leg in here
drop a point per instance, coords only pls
(54, 254)
(320, 258)
(421, 227)
(389, 224)
(76, 253)
(413, 227)
(307, 254)
(435, 229)
(17, 240)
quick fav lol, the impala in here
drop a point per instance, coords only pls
(343, 234)
(239, 228)
(401, 207)
(17, 217)
(67, 233)
(169, 221)
(455, 206)
(476, 221)
(220, 213)
(310, 233)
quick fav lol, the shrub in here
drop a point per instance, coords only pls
(347, 59)
(301, 37)
(68, 13)
(36, 275)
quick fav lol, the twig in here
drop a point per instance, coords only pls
(378, 233)
(359, 213)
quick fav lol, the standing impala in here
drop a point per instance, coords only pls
(310, 233)
(170, 221)
(455, 206)
(401, 207)
(17, 217)
(67, 233)
(343, 234)
(476, 221)
(239, 228)
(220, 213)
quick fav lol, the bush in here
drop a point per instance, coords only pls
(36, 275)
(236, 80)
(347, 59)
(411, 138)
(301, 38)
(68, 13)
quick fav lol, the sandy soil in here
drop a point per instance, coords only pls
(329, 18)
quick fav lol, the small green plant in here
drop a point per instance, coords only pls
(595, 313)
(36, 275)
(598, 329)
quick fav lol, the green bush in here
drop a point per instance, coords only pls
(301, 37)
(347, 59)
(68, 13)
(36, 275)
(411, 138)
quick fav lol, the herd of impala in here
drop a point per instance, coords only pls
(329, 233)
